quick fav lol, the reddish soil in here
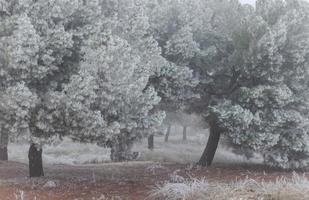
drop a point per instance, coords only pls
(127, 181)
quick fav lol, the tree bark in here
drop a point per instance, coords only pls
(4, 140)
(167, 133)
(35, 161)
(212, 144)
(3, 153)
(151, 142)
(121, 150)
(184, 133)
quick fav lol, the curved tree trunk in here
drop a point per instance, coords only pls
(184, 133)
(167, 133)
(4, 140)
(151, 142)
(35, 161)
(212, 144)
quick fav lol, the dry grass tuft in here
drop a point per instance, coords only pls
(193, 189)
(296, 188)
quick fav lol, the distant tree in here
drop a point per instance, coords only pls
(185, 120)
(168, 132)
(175, 81)
(151, 142)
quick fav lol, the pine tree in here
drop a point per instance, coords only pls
(118, 62)
(268, 111)
(43, 51)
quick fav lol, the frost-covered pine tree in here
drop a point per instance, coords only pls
(171, 23)
(16, 98)
(63, 27)
(196, 35)
(3, 86)
(4, 26)
(47, 62)
(30, 62)
(268, 110)
(112, 85)
(43, 51)
(232, 48)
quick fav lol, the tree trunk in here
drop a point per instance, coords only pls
(4, 140)
(212, 144)
(3, 153)
(151, 142)
(184, 133)
(167, 133)
(121, 150)
(35, 161)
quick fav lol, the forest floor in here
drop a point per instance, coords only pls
(127, 181)
(75, 171)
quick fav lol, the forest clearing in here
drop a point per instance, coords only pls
(154, 99)
(78, 176)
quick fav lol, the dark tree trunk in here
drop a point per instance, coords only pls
(167, 133)
(184, 133)
(151, 142)
(212, 144)
(121, 150)
(116, 153)
(35, 161)
(4, 140)
(3, 153)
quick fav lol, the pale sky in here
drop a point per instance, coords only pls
(252, 2)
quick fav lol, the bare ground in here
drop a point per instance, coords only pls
(128, 181)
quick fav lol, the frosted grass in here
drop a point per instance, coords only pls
(174, 151)
(295, 188)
